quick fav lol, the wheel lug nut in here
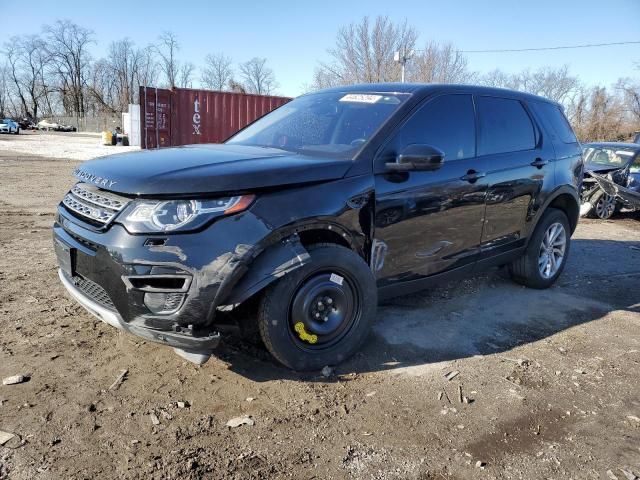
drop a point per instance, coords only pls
(317, 315)
(329, 301)
(326, 319)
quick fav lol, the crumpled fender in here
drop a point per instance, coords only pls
(274, 262)
(615, 190)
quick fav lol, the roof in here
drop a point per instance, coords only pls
(630, 146)
(427, 88)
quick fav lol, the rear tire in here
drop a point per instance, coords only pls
(536, 268)
(321, 313)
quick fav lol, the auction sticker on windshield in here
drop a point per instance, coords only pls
(360, 98)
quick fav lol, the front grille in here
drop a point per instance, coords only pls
(93, 204)
(93, 291)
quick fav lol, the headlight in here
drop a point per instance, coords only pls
(149, 216)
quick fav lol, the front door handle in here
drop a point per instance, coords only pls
(539, 163)
(472, 176)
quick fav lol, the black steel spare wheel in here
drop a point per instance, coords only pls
(320, 313)
(323, 309)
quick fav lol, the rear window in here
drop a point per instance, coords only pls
(555, 119)
(505, 126)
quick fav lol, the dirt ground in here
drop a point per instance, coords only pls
(551, 377)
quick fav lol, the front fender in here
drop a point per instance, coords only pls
(618, 191)
(273, 263)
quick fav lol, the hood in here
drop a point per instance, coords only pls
(598, 167)
(203, 169)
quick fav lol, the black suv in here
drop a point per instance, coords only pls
(300, 222)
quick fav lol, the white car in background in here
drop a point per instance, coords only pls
(45, 125)
(9, 126)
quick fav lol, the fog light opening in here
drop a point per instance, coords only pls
(163, 303)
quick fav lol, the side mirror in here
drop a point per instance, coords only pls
(417, 157)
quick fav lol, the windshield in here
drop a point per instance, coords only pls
(607, 157)
(334, 124)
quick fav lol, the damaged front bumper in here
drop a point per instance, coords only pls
(194, 349)
(168, 288)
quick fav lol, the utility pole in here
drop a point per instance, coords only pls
(402, 58)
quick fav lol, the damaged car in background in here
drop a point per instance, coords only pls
(612, 179)
(296, 225)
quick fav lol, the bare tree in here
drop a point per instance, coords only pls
(124, 61)
(556, 84)
(68, 46)
(27, 60)
(148, 67)
(105, 90)
(217, 72)
(363, 53)
(440, 63)
(4, 90)
(630, 89)
(599, 115)
(167, 49)
(115, 79)
(185, 75)
(237, 87)
(257, 77)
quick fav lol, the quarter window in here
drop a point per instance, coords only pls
(505, 126)
(556, 120)
(447, 123)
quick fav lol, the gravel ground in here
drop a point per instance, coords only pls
(550, 377)
(59, 145)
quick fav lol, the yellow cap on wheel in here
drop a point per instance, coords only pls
(302, 333)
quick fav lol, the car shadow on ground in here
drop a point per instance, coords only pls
(481, 315)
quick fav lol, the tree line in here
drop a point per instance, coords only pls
(53, 72)
(364, 53)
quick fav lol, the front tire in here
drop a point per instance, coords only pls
(321, 313)
(604, 206)
(546, 254)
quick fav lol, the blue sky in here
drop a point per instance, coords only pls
(294, 36)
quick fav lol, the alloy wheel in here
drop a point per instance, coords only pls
(552, 250)
(605, 206)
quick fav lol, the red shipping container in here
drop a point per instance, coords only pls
(184, 116)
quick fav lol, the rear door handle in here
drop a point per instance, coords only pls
(538, 162)
(472, 176)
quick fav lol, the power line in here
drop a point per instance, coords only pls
(564, 47)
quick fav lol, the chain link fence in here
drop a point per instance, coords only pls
(89, 123)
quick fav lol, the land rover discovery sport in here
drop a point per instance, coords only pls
(315, 211)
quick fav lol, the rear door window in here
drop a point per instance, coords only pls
(446, 122)
(504, 126)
